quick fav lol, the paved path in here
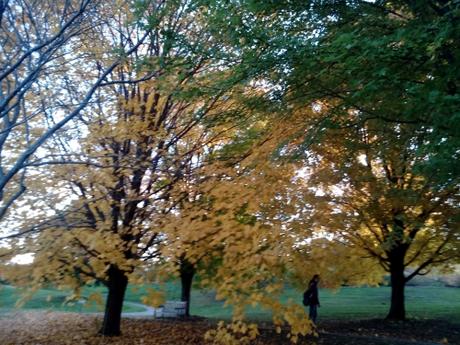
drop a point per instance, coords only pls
(148, 311)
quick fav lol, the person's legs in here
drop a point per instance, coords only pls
(313, 312)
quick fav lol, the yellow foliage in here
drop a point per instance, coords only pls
(235, 333)
(95, 297)
(154, 298)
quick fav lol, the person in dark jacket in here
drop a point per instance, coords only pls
(312, 298)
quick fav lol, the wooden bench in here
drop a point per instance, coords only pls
(171, 309)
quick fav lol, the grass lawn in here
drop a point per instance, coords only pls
(50, 299)
(428, 302)
(422, 302)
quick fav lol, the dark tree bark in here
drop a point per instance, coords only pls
(398, 284)
(187, 271)
(116, 284)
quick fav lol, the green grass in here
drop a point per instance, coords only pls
(353, 303)
(422, 302)
(50, 299)
(434, 302)
(367, 302)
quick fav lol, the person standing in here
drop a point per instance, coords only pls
(311, 297)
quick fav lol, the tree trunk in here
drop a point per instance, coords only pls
(117, 283)
(398, 282)
(187, 271)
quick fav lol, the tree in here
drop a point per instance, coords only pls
(133, 162)
(368, 194)
(115, 223)
(187, 271)
(333, 57)
(234, 236)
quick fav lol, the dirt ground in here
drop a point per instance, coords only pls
(40, 328)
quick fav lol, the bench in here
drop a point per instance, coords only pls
(170, 309)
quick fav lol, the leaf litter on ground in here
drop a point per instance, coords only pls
(54, 328)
